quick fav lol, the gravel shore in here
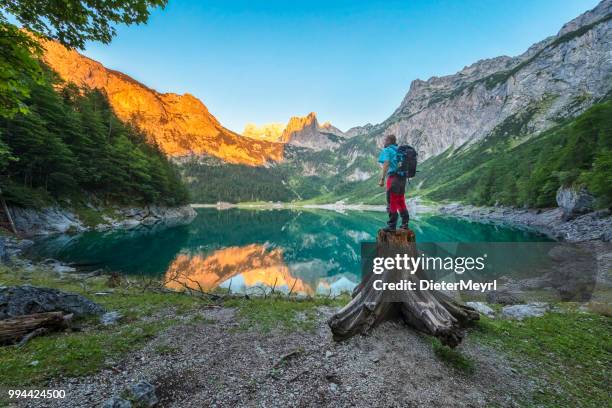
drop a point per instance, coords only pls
(214, 363)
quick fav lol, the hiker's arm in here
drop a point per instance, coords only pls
(385, 168)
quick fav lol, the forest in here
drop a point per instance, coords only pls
(526, 171)
(67, 144)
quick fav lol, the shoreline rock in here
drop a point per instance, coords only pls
(27, 299)
(593, 226)
(56, 220)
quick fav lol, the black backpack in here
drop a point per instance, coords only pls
(406, 161)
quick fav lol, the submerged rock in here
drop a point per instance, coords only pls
(520, 312)
(26, 299)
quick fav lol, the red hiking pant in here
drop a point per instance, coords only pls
(395, 202)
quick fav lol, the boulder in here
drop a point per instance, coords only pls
(45, 221)
(482, 308)
(24, 300)
(520, 312)
(574, 201)
(143, 394)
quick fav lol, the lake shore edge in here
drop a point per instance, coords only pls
(592, 226)
(31, 222)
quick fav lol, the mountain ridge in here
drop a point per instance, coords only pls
(300, 131)
(573, 67)
(180, 125)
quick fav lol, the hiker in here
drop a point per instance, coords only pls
(396, 184)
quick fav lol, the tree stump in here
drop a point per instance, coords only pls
(428, 311)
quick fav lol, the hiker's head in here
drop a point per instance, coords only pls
(390, 140)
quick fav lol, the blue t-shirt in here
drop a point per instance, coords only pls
(389, 154)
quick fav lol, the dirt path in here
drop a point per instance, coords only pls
(214, 363)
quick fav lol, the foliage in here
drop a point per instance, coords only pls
(71, 22)
(510, 168)
(71, 143)
(18, 68)
(210, 181)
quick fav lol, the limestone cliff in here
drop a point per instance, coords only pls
(555, 79)
(270, 131)
(180, 124)
(300, 131)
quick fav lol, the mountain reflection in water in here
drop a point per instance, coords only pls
(317, 251)
(248, 266)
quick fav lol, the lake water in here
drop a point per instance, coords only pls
(309, 251)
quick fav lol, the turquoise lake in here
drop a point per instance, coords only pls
(306, 251)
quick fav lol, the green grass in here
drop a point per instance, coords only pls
(284, 314)
(567, 354)
(145, 315)
(72, 353)
(84, 352)
(452, 357)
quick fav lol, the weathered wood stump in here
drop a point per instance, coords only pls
(428, 311)
(23, 328)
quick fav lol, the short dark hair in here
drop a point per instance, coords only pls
(391, 139)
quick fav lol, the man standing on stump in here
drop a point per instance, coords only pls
(396, 184)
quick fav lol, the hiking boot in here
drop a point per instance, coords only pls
(405, 219)
(391, 223)
(404, 227)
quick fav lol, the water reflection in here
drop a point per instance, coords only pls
(241, 267)
(317, 251)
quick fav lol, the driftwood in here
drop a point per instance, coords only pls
(428, 311)
(22, 328)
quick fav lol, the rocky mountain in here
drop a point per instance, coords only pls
(180, 124)
(305, 131)
(479, 115)
(555, 79)
(269, 131)
(300, 131)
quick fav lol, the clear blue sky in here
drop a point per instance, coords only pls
(350, 61)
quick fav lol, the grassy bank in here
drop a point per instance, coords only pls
(565, 355)
(92, 346)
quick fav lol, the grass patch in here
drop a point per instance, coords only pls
(284, 314)
(145, 315)
(452, 357)
(72, 353)
(96, 346)
(568, 354)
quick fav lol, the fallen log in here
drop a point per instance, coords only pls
(428, 311)
(22, 328)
